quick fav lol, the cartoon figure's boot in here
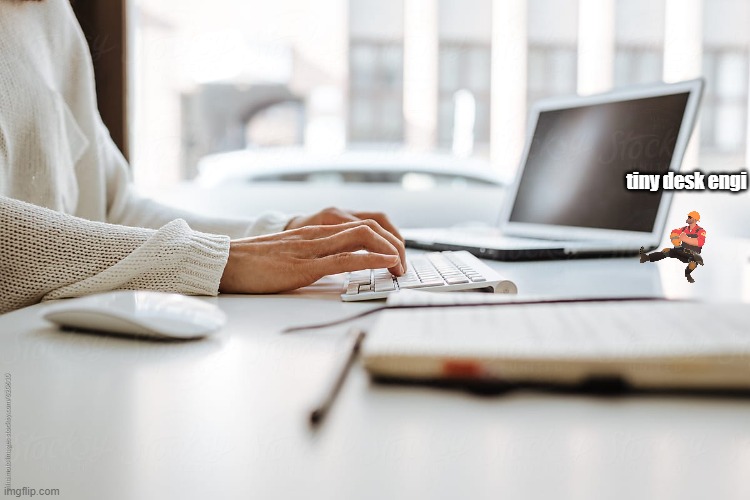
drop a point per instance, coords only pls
(642, 253)
(688, 270)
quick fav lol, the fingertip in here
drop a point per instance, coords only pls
(397, 270)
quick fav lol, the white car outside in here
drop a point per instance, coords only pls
(414, 171)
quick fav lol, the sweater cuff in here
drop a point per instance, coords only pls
(204, 263)
(268, 223)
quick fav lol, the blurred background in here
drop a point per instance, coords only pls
(288, 84)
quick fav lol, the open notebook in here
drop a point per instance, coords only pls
(637, 344)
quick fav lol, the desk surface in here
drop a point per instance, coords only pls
(103, 417)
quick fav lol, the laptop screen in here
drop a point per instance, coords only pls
(575, 170)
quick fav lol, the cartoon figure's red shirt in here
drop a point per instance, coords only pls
(698, 233)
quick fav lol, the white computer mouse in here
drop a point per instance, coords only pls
(139, 313)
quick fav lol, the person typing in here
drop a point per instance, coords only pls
(71, 223)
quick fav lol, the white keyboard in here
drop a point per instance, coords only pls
(435, 271)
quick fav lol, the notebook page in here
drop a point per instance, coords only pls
(567, 330)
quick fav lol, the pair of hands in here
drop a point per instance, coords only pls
(311, 247)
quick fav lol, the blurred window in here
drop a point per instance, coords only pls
(551, 71)
(724, 113)
(277, 125)
(464, 66)
(636, 65)
(375, 91)
(213, 77)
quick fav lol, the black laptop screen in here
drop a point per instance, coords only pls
(578, 158)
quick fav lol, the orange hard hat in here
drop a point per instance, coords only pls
(695, 215)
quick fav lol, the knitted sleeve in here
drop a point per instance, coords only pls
(46, 254)
(126, 207)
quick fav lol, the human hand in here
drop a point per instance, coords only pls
(334, 215)
(299, 257)
(685, 238)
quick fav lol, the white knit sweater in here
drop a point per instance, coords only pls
(70, 223)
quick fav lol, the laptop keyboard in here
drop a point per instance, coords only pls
(436, 270)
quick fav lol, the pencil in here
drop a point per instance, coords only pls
(321, 409)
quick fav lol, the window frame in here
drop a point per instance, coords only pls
(104, 22)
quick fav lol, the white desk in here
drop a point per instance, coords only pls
(103, 417)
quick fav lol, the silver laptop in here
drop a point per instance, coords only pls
(569, 197)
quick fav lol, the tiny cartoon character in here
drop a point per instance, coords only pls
(688, 242)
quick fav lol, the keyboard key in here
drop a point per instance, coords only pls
(456, 280)
(360, 277)
(352, 289)
(410, 284)
(435, 282)
(452, 274)
(384, 286)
